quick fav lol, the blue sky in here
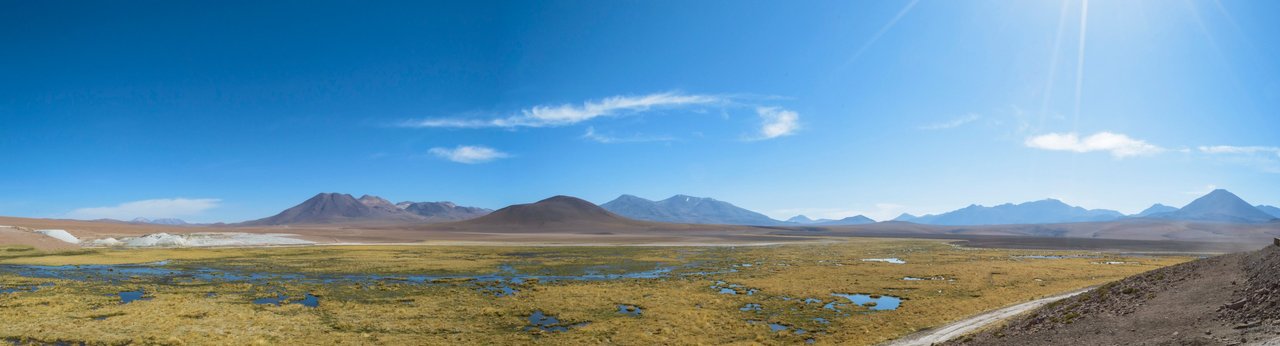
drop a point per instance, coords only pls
(236, 110)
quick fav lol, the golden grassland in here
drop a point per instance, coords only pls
(680, 308)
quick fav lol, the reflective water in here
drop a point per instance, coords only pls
(503, 283)
(872, 302)
(127, 297)
(893, 260)
(280, 299)
(547, 323)
(630, 310)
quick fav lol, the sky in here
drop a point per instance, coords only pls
(235, 110)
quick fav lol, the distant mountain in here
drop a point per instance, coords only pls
(801, 219)
(328, 208)
(146, 221)
(378, 203)
(686, 209)
(1042, 211)
(553, 212)
(1269, 210)
(905, 217)
(1155, 209)
(443, 211)
(852, 220)
(1219, 206)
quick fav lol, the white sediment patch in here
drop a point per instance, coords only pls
(893, 260)
(59, 235)
(202, 240)
(105, 242)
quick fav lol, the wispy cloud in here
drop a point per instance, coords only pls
(953, 123)
(778, 122)
(469, 154)
(1119, 145)
(1266, 158)
(569, 114)
(1248, 150)
(151, 208)
(594, 136)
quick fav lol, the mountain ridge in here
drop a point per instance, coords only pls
(687, 209)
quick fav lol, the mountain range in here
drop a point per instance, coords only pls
(687, 209)
(328, 208)
(1218, 206)
(331, 208)
(160, 221)
(1155, 209)
(1042, 211)
(1273, 211)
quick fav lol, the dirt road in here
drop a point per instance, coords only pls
(950, 331)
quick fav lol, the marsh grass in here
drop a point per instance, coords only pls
(680, 308)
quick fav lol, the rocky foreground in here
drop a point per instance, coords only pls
(1225, 300)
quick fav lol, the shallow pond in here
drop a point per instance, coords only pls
(498, 284)
(32, 288)
(630, 310)
(127, 297)
(877, 303)
(307, 300)
(547, 323)
(893, 260)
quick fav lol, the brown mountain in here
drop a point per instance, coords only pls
(558, 211)
(328, 208)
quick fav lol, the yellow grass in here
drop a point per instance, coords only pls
(678, 309)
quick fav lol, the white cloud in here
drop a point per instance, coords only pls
(469, 154)
(778, 122)
(151, 208)
(569, 114)
(1119, 145)
(953, 123)
(592, 135)
(1227, 149)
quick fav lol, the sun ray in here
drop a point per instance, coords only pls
(1084, 25)
(1053, 65)
(884, 29)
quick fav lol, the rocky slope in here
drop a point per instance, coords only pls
(1224, 300)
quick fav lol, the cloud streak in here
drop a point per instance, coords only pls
(1247, 150)
(594, 136)
(777, 122)
(953, 123)
(1119, 145)
(468, 154)
(151, 208)
(569, 114)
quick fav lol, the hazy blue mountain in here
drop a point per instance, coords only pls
(1156, 209)
(686, 209)
(1220, 206)
(906, 217)
(852, 220)
(162, 221)
(443, 211)
(1269, 210)
(801, 219)
(1042, 211)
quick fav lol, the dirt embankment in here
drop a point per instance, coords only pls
(1224, 300)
